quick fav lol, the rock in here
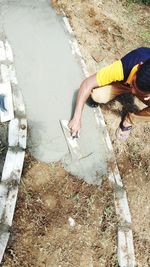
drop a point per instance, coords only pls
(71, 222)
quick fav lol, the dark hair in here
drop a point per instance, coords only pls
(143, 77)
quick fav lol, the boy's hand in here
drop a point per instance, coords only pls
(75, 126)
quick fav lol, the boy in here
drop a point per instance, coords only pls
(131, 74)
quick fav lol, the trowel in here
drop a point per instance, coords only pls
(80, 165)
(72, 164)
(72, 142)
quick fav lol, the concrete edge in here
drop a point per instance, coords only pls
(125, 247)
(17, 136)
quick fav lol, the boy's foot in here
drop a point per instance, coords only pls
(122, 132)
(122, 135)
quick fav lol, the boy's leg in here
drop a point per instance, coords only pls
(106, 93)
(141, 116)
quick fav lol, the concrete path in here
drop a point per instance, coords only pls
(49, 76)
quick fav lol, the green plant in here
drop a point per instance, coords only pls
(146, 2)
(146, 36)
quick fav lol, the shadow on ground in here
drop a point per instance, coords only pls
(127, 102)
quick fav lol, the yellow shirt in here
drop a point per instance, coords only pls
(113, 73)
(110, 73)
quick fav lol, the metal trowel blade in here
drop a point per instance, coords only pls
(72, 142)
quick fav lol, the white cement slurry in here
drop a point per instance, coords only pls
(49, 75)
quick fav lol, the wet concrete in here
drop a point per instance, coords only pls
(49, 76)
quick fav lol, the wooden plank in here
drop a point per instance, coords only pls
(122, 207)
(74, 45)
(8, 74)
(130, 246)
(8, 51)
(5, 89)
(3, 243)
(3, 196)
(13, 136)
(18, 102)
(125, 252)
(67, 24)
(2, 51)
(122, 249)
(99, 117)
(10, 205)
(17, 134)
(117, 176)
(23, 133)
(5, 73)
(8, 197)
(16, 140)
(12, 74)
(13, 165)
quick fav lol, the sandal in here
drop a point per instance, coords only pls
(122, 133)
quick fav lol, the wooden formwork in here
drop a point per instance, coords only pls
(17, 135)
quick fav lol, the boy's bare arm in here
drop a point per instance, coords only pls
(84, 92)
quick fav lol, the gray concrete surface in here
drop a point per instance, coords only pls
(49, 75)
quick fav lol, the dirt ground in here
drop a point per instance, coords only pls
(61, 221)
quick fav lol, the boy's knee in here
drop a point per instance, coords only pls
(101, 99)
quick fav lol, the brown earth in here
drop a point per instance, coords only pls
(48, 196)
(61, 221)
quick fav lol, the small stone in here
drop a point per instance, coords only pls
(71, 222)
